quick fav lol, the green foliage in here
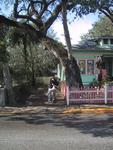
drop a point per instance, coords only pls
(1, 75)
(103, 27)
(40, 15)
(22, 92)
(84, 7)
(15, 36)
(42, 81)
(44, 62)
(94, 83)
(107, 79)
(4, 55)
(28, 57)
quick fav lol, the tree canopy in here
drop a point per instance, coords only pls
(43, 13)
(84, 7)
(103, 27)
(36, 17)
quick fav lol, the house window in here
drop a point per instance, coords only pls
(90, 66)
(105, 41)
(111, 41)
(82, 66)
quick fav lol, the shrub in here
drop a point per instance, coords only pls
(22, 92)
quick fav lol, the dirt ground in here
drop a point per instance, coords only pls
(39, 98)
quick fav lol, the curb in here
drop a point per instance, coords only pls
(55, 110)
(88, 110)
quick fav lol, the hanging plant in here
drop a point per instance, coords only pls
(99, 63)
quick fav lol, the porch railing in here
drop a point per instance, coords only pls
(88, 95)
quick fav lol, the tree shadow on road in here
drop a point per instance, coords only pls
(94, 125)
(97, 125)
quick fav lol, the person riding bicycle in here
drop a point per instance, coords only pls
(53, 84)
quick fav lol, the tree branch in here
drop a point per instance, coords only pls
(33, 8)
(53, 17)
(26, 27)
(37, 22)
(45, 7)
(106, 13)
(37, 36)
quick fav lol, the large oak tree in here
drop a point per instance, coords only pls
(37, 17)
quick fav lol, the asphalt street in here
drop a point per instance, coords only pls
(48, 131)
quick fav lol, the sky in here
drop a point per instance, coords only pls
(77, 28)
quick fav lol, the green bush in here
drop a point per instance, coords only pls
(42, 81)
(94, 83)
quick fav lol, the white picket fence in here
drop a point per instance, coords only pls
(88, 95)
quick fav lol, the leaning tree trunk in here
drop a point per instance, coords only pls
(8, 85)
(66, 30)
(72, 71)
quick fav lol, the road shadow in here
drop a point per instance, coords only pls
(99, 125)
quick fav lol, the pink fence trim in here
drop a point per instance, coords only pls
(63, 88)
(87, 95)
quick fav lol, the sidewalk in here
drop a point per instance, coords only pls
(4, 111)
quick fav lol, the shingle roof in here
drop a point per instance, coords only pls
(92, 44)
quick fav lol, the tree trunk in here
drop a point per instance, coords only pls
(8, 85)
(25, 55)
(33, 77)
(72, 70)
(66, 30)
(33, 81)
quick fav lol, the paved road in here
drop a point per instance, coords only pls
(56, 132)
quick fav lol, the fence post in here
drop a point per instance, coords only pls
(105, 97)
(67, 95)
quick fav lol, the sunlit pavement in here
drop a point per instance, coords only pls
(49, 131)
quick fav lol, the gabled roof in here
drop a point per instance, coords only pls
(93, 44)
(104, 37)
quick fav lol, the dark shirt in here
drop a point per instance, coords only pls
(53, 82)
